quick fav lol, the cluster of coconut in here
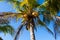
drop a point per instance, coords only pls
(34, 14)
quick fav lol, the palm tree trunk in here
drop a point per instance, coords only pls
(32, 32)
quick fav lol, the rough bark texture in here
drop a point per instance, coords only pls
(32, 32)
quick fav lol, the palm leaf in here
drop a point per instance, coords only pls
(49, 30)
(44, 25)
(10, 14)
(7, 14)
(47, 17)
(40, 22)
(7, 29)
(18, 32)
(45, 4)
(29, 3)
(3, 21)
(52, 6)
(19, 15)
(4, 27)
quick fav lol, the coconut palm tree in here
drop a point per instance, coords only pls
(28, 21)
(30, 11)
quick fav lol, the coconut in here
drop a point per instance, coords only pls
(25, 16)
(35, 14)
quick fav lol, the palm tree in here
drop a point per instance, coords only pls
(27, 21)
(27, 10)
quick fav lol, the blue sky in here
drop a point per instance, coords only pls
(41, 33)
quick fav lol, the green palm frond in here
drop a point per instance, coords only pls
(7, 14)
(47, 17)
(6, 29)
(19, 15)
(3, 21)
(29, 3)
(11, 15)
(49, 30)
(18, 32)
(45, 4)
(53, 6)
(44, 25)
(40, 22)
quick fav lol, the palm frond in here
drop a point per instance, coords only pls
(45, 4)
(3, 21)
(44, 25)
(19, 15)
(6, 29)
(49, 30)
(7, 14)
(18, 32)
(29, 3)
(52, 6)
(11, 15)
(47, 17)
(40, 22)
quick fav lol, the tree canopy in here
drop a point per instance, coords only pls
(30, 12)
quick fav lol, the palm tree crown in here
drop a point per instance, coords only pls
(27, 10)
